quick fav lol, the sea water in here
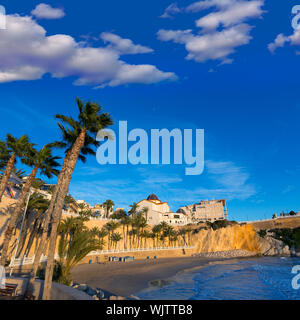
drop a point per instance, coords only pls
(265, 278)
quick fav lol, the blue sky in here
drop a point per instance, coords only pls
(228, 69)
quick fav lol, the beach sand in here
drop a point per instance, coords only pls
(127, 278)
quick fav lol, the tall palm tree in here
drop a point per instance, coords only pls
(102, 233)
(142, 226)
(109, 204)
(182, 232)
(115, 238)
(133, 209)
(152, 236)
(146, 235)
(81, 133)
(125, 222)
(174, 237)
(13, 148)
(42, 161)
(169, 232)
(145, 211)
(46, 224)
(189, 231)
(156, 230)
(70, 141)
(111, 227)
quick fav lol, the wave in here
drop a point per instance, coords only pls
(260, 278)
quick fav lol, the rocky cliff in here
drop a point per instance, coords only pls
(236, 237)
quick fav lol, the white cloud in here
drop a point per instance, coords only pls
(237, 12)
(27, 53)
(206, 4)
(221, 31)
(227, 173)
(45, 11)
(229, 181)
(123, 46)
(281, 40)
(170, 11)
(211, 46)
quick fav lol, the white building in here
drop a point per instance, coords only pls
(206, 210)
(160, 211)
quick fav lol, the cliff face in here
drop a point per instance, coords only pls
(271, 247)
(224, 239)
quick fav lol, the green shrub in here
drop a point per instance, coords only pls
(222, 224)
(262, 233)
(290, 237)
(57, 272)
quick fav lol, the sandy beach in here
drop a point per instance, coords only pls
(127, 278)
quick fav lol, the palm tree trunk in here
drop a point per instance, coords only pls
(45, 227)
(58, 212)
(33, 234)
(8, 170)
(13, 219)
(25, 231)
(124, 237)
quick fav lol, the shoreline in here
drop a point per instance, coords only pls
(129, 278)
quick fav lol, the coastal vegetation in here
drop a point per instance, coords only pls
(78, 141)
(76, 241)
(290, 237)
(41, 161)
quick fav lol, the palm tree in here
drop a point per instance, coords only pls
(116, 237)
(37, 183)
(169, 232)
(142, 226)
(145, 211)
(174, 237)
(80, 136)
(111, 227)
(102, 233)
(19, 173)
(118, 215)
(182, 232)
(109, 204)
(146, 235)
(152, 236)
(156, 230)
(164, 226)
(133, 209)
(42, 161)
(37, 225)
(36, 204)
(13, 148)
(189, 231)
(69, 139)
(75, 243)
(125, 222)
